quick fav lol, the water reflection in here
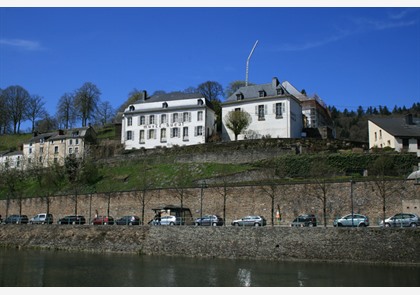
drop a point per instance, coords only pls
(61, 269)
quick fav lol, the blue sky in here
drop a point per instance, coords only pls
(349, 56)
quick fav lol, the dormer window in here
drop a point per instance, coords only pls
(200, 102)
(165, 105)
(132, 108)
(261, 93)
(280, 91)
(239, 96)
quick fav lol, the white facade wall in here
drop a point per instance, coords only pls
(288, 125)
(12, 161)
(379, 138)
(183, 122)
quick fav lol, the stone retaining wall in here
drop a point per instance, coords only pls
(241, 201)
(372, 245)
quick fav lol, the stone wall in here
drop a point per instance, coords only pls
(241, 200)
(372, 245)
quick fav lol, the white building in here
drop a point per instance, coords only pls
(275, 112)
(166, 120)
(400, 134)
(11, 160)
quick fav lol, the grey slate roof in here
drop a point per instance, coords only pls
(252, 91)
(174, 96)
(398, 126)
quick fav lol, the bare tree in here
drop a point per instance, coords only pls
(211, 90)
(145, 182)
(237, 121)
(35, 109)
(86, 100)
(66, 112)
(104, 113)
(180, 182)
(4, 114)
(16, 100)
(47, 123)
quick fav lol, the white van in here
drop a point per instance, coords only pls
(42, 218)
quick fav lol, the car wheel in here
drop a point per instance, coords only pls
(74, 222)
(362, 225)
(236, 224)
(310, 224)
(257, 224)
(171, 223)
(214, 224)
(105, 223)
(196, 224)
(387, 225)
(413, 225)
(130, 223)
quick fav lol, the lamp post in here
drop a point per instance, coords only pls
(203, 185)
(352, 182)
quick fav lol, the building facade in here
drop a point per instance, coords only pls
(274, 112)
(167, 120)
(401, 134)
(52, 148)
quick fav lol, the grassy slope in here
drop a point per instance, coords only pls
(13, 141)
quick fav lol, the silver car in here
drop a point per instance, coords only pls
(168, 220)
(355, 220)
(252, 220)
(402, 220)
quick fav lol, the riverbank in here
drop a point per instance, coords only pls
(371, 245)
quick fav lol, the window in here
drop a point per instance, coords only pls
(163, 119)
(151, 134)
(200, 116)
(41, 150)
(41, 140)
(280, 91)
(71, 141)
(380, 134)
(163, 135)
(199, 131)
(261, 93)
(130, 135)
(56, 150)
(77, 141)
(152, 119)
(76, 150)
(185, 133)
(70, 150)
(418, 144)
(129, 121)
(175, 132)
(200, 102)
(132, 108)
(237, 109)
(278, 110)
(376, 136)
(141, 136)
(261, 112)
(174, 117)
(165, 105)
(405, 143)
(55, 160)
(40, 159)
(142, 120)
(186, 117)
(239, 96)
(30, 150)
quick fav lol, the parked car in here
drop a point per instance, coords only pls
(103, 220)
(168, 220)
(304, 220)
(213, 220)
(16, 218)
(402, 220)
(72, 219)
(357, 220)
(252, 220)
(42, 218)
(128, 220)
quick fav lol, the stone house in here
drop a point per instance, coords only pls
(53, 147)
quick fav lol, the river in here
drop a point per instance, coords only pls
(38, 268)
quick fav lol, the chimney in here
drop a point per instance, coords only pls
(35, 133)
(409, 119)
(144, 95)
(275, 82)
(60, 132)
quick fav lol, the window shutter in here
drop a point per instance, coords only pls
(195, 131)
(274, 108)
(283, 108)
(256, 110)
(265, 109)
(189, 117)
